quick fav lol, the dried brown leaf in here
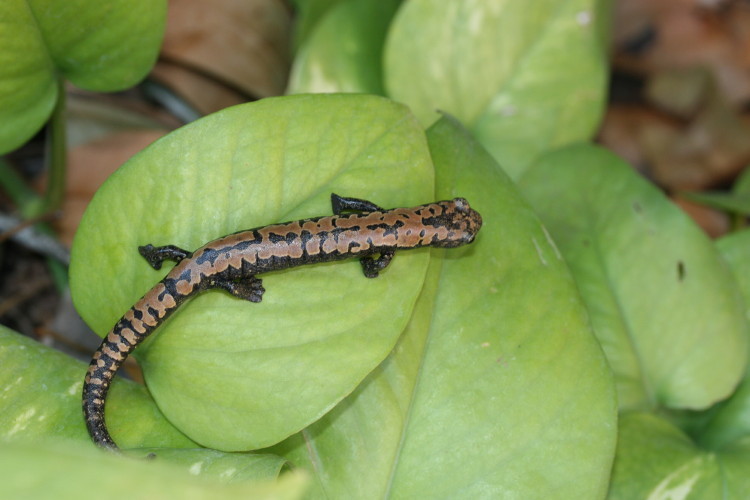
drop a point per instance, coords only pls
(243, 44)
(89, 165)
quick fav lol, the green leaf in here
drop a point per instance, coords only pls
(41, 404)
(230, 374)
(77, 472)
(307, 15)
(227, 467)
(734, 248)
(736, 203)
(344, 52)
(664, 306)
(731, 421)
(101, 46)
(486, 389)
(742, 183)
(41, 400)
(656, 460)
(522, 77)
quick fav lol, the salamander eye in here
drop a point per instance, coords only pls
(462, 205)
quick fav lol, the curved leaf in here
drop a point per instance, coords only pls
(522, 78)
(72, 471)
(485, 381)
(41, 399)
(663, 305)
(731, 422)
(226, 467)
(230, 374)
(103, 46)
(735, 203)
(307, 16)
(656, 460)
(41, 403)
(344, 52)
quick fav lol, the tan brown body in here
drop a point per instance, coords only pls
(231, 263)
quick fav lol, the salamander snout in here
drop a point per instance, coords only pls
(468, 220)
(462, 223)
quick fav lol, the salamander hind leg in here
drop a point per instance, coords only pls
(372, 267)
(157, 255)
(248, 288)
(341, 204)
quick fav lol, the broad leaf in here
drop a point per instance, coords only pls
(227, 467)
(663, 304)
(344, 52)
(77, 472)
(523, 77)
(742, 183)
(307, 15)
(657, 460)
(103, 46)
(732, 420)
(41, 405)
(41, 400)
(496, 389)
(230, 374)
(737, 203)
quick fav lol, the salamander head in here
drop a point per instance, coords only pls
(462, 222)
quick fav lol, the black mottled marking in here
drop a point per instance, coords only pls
(287, 238)
(125, 341)
(336, 232)
(209, 255)
(153, 312)
(252, 239)
(435, 221)
(235, 260)
(170, 287)
(305, 236)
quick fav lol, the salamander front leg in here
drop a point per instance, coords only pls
(372, 267)
(157, 255)
(249, 288)
(341, 204)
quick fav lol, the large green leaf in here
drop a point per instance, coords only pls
(737, 203)
(496, 389)
(523, 76)
(41, 399)
(344, 52)
(230, 374)
(655, 460)
(103, 46)
(77, 472)
(307, 15)
(41, 403)
(663, 304)
(731, 421)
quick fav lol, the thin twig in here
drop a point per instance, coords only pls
(26, 223)
(26, 293)
(29, 237)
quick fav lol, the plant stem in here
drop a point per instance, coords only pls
(16, 188)
(56, 154)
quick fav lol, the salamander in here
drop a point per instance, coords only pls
(358, 228)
